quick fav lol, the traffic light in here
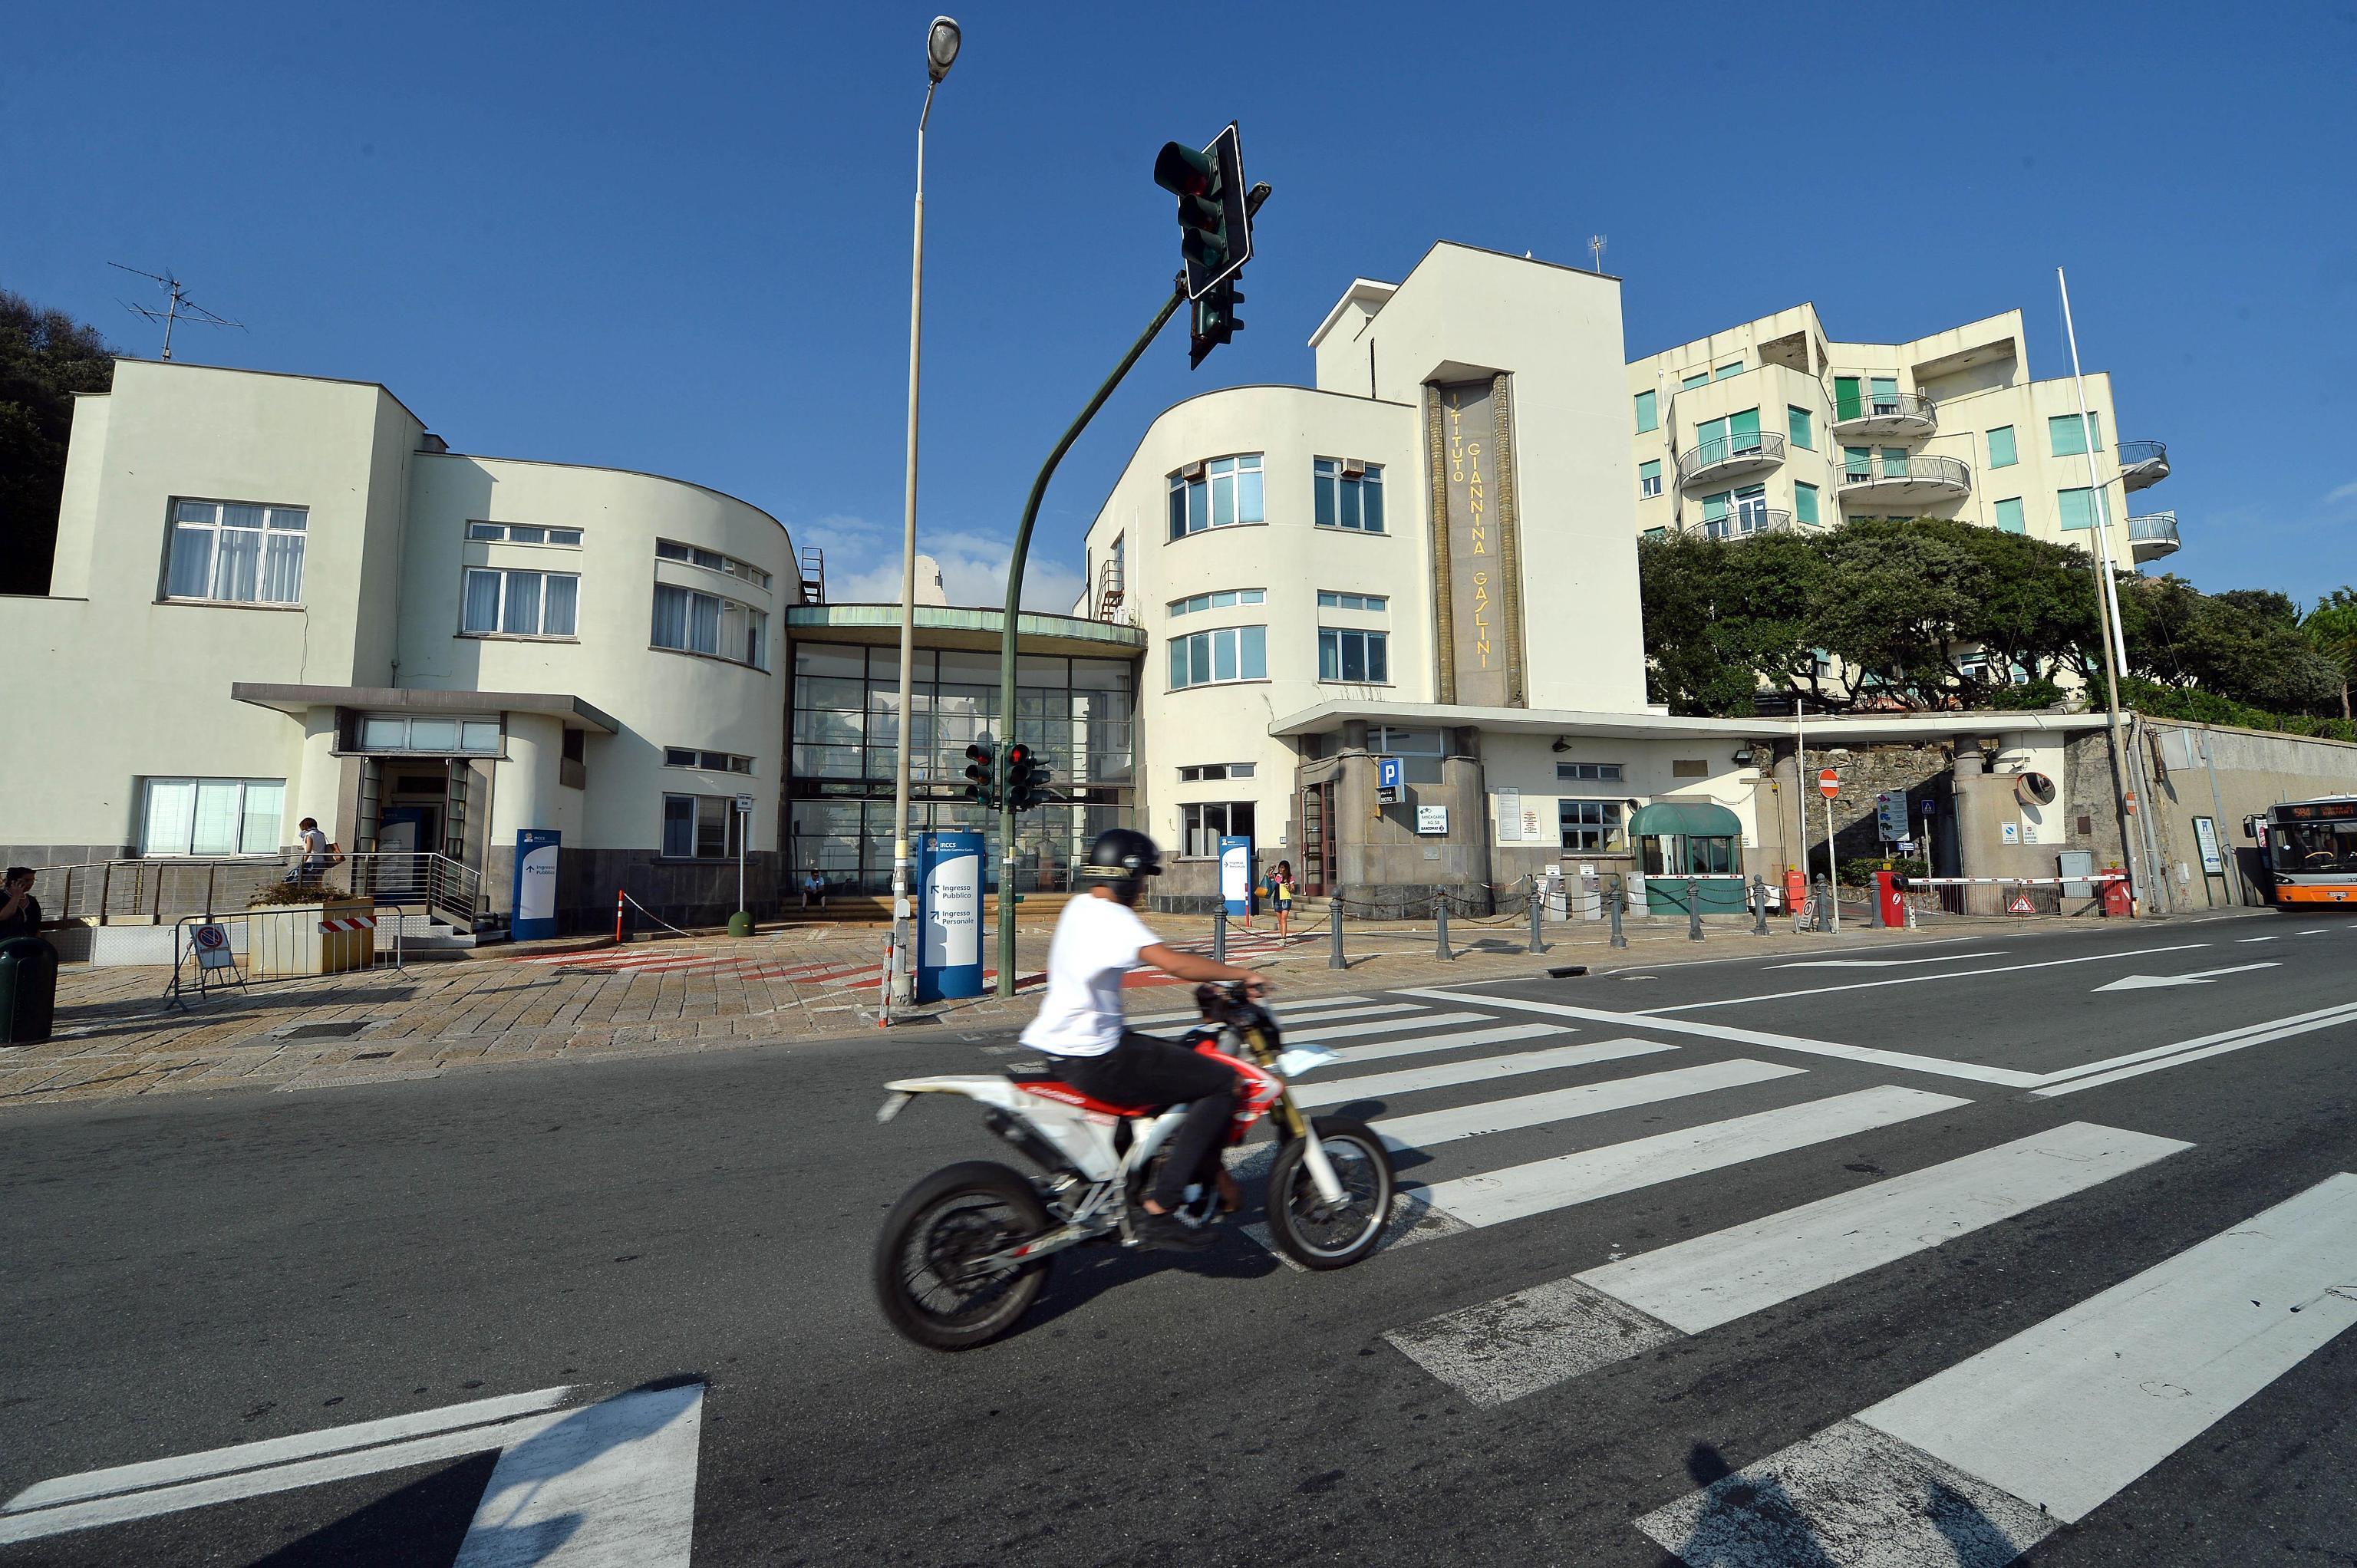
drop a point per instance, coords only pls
(980, 768)
(1027, 779)
(1215, 322)
(1214, 216)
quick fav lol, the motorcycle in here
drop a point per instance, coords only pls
(964, 1252)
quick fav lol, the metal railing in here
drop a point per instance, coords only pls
(1921, 468)
(1885, 405)
(2154, 528)
(1761, 449)
(2143, 463)
(443, 887)
(1743, 522)
(160, 891)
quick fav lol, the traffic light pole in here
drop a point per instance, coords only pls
(1014, 610)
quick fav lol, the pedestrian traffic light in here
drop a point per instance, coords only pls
(1214, 218)
(1027, 779)
(980, 768)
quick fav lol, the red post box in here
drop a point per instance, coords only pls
(1889, 901)
(2117, 901)
(1796, 887)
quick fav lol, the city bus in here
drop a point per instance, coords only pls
(2311, 852)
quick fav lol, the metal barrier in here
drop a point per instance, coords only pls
(258, 946)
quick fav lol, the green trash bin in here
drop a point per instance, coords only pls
(28, 990)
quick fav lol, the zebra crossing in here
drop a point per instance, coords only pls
(1497, 1119)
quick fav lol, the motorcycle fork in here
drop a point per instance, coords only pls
(1294, 1124)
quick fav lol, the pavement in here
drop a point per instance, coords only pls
(2001, 1243)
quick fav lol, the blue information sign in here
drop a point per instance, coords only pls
(948, 916)
(1236, 875)
(1387, 780)
(533, 906)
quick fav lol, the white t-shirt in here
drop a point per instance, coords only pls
(315, 843)
(1097, 941)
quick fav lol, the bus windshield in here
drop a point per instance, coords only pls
(2312, 846)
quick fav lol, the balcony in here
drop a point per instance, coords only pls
(1917, 481)
(2144, 464)
(1902, 416)
(1730, 457)
(2152, 536)
(1741, 523)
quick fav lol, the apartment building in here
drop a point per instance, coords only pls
(1772, 425)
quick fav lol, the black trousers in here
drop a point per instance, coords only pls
(1143, 1071)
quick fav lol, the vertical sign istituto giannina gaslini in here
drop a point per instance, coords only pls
(1476, 560)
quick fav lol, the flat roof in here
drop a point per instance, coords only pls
(1327, 716)
(294, 701)
(962, 627)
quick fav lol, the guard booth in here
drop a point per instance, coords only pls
(1678, 840)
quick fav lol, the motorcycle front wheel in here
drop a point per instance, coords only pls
(1312, 1232)
(922, 1274)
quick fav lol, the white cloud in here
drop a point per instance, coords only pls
(863, 566)
(2347, 492)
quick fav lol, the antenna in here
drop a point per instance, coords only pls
(1596, 249)
(180, 305)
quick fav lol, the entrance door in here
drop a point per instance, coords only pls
(405, 834)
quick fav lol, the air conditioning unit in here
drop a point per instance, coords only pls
(1354, 467)
(1191, 472)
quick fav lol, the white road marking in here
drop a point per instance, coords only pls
(1907, 1061)
(1568, 1104)
(1885, 962)
(2255, 938)
(1590, 1174)
(1499, 1036)
(281, 1450)
(1384, 1026)
(2198, 977)
(1501, 1350)
(2312, 932)
(610, 1486)
(1920, 979)
(1408, 1080)
(2155, 1060)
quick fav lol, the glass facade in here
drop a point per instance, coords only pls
(1076, 713)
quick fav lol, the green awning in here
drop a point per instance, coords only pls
(1684, 819)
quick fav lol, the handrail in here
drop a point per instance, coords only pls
(1742, 524)
(2135, 453)
(1887, 406)
(1765, 446)
(2154, 527)
(159, 889)
(1922, 468)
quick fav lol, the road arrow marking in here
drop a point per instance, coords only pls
(2199, 977)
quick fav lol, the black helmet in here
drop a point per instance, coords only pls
(1122, 858)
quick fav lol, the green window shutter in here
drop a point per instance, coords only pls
(1710, 441)
(1649, 477)
(1894, 461)
(2078, 512)
(2000, 445)
(1847, 404)
(1646, 417)
(2096, 426)
(1883, 391)
(1796, 426)
(1804, 504)
(1692, 381)
(1743, 431)
(1714, 508)
(1657, 534)
(2063, 436)
(2009, 515)
(1734, 369)
(1857, 463)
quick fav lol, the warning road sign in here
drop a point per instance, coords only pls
(2022, 905)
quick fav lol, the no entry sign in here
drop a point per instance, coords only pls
(1828, 782)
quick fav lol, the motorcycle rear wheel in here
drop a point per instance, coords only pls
(1309, 1231)
(958, 1213)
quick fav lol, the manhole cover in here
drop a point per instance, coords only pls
(325, 1031)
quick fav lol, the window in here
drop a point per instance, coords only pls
(1375, 602)
(524, 533)
(1656, 535)
(2077, 508)
(711, 761)
(1796, 427)
(213, 816)
(1223, 492)
(700, 827)
(1882, 394)
(711, 561)
(1894, 463)
(2000, 444)
(1589, 772)
(1848, 403)
(1353, 655)
(1224, 599)
(1205, 822)
(1210, 772)
(1698, 377)
(1732, 368)
(1207, 658)
(237, 551)
(1419, 750)
(1346, 500)
(1857, 463)
(1804, 504)
(1649, 478)
(2009, 515)
(1591, 825)
(702, 623)
(2064, 438)
(520, 604)
(1648, 418)
(430, 734)
(1690, 767)
(1736, 435)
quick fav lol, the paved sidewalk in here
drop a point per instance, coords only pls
(511, 1007)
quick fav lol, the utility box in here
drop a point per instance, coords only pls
(2076, 863)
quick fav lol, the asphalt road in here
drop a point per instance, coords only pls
(197, 1274)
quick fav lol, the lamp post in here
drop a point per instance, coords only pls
(940, 52)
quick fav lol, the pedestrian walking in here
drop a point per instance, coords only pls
(317, 852)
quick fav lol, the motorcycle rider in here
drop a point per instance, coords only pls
(1099, 938)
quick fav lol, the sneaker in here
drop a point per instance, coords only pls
(1169, 1230)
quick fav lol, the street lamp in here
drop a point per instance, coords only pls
(940, 52)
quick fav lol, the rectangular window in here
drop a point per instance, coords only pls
(1656, 535)
(434, 737)
(1207, 658)
(1225, 599)
(1331, 601)
(524, 533)
(1592, 826)
(520, 604)
(1649, 478)
(1713, 513)
(700, 827)
(1848, 402)
(1647, 417)
(1804, 504)
(1796, 426)
(1357, 656)
(704, 623)
(1882, 394)
(1212, 772)
(1420, 751)
(710, 761)
(1732, 368)
(2000, 444)
(237, 552)
(213, 816)
(1350, 495)
(2077, 510)
(1227, 491)
(2009, 515)
(1894, 463)
(1743, 431)
(1203, 823)
(1699, 378)
(710, 559)
(1590, 772)
(1857, 463)
(2067, 440)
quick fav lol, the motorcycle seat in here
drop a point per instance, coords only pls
(1048, 1086)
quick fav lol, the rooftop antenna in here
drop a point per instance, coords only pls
(1596, 249)
(180, 305)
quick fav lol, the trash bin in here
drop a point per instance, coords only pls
(2117, 901)
(28, 990)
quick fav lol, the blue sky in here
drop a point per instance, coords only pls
(676, 239)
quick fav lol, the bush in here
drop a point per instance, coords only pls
(288, 893)
(1860, 873)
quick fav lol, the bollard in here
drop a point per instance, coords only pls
(1538, 943)
(1619, 899)
(1820, 899)
(1334, 959)
(1440, 919)
(1873, 902)
(1693, 913)
(618, 895)
(1759, 907)
(1219, 934)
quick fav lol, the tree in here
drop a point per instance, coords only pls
(2331, 629)
(46, 357)
(2246, 645)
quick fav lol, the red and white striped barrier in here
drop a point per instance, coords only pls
(2010, 880)
(349, 923)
